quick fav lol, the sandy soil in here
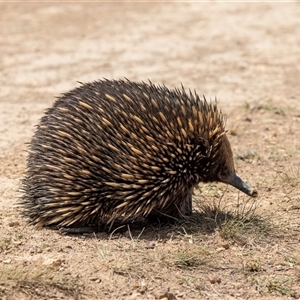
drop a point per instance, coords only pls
(245, 54)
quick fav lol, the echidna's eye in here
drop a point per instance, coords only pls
(224, 173)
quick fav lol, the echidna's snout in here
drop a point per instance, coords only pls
(227, 171)
(238, 183)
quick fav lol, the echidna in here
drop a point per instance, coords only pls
(119, 149)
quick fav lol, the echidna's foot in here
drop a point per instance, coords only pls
(79, 230)
(188, 209)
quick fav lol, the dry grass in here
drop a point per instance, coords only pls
(36, 283)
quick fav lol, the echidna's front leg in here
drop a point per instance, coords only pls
(188, 206)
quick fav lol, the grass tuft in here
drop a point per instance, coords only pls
(238, 222)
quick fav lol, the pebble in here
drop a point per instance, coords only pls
(225, 245)
(215, 279)
(52, 262)
(7, 261)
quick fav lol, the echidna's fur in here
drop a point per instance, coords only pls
(119, 149)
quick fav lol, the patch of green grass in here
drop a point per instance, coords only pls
(250, 156)
(5, 244)
(264, 106)
(190, 257)
(292, 152)
(246, 105)
(46, 245)
(294, 259)
(279, 286)
(20, 236)
(271, 107)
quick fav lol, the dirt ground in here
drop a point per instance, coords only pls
(233, 247)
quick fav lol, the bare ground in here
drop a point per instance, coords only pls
(232, 247)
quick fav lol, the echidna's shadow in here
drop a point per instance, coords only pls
(199, 223)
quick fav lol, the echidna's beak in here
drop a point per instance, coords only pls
(238, 183)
